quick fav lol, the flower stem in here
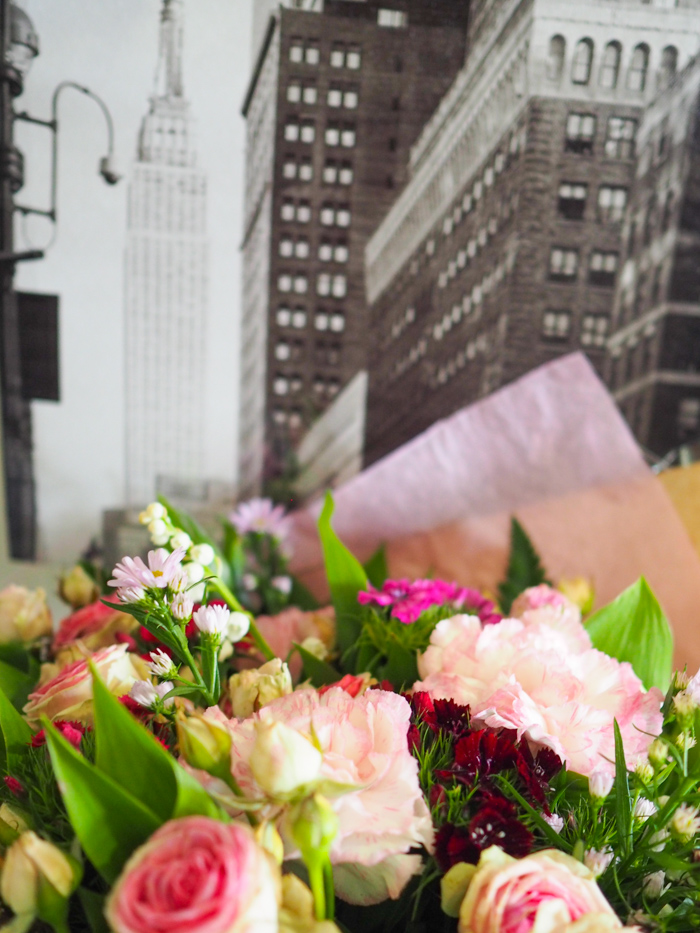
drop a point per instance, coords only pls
(318, 887)
(235, 606)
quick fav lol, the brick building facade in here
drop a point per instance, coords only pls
(503, 251)
(340, 93)
(654, 362)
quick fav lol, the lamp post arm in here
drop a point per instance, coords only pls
(52, 125)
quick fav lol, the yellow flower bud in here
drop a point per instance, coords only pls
(314, 826)
(78, 588)
(580, 591)
(30, 863)
(283, 760)
(253, 689)
(204, 743)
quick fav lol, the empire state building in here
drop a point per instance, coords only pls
(165, 286)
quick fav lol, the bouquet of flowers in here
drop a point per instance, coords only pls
(193, 754)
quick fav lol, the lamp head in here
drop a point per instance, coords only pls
(24, 42)
(108, 171)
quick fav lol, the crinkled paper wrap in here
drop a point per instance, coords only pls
(551, 449)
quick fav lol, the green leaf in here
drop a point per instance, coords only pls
(401, 668)
(301, 597)
(319, 672)
(16, 684)
(376, 567)
(93, 905)
(130, 755)
(108, 821)
(524, 567)
(623, 801)
(16, 655)
(345, 577)
(15, 735)
(634, 628)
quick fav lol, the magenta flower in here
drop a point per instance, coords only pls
(408, 600)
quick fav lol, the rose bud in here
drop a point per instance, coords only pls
(35, 873)
(204, 744)
(78, 588)
(251, 690)
(283, 760)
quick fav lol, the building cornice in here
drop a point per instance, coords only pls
(662, 377)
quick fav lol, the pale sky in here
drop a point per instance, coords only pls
(111, 47)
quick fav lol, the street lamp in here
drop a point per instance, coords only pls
(19, 46)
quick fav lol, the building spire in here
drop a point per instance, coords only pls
(169, 74)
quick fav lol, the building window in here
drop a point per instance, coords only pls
(282, 351)
(594, 330)
(327, 215)
(620, 139)
(583, 60)
(639, 66)
(301, 248)
(306, 170)
(337, 59)
(301, 284)
(330, 172)
(346, 174)
(312, 55)
(348, 136)
(340, 286)
(338, 97)
(279, 416)
(610, 65)
(341, 253)
(321, 321)
(332, 136)
(286, 247)
(342, 217)
(335, 97)
(556, 325)
(310, 94)
(289, 168)
(572, 200)
(284, 283)
(563, 264)
(394, 19)
(308, 132)
(299, 318)
(688, 419)
(281, 385)
(296, 51)
(602, 268)
(555, 61)
(283, 316)
(325, 251)
(291, 131)
(323, 285)
(294, 92)
(303, 212)
(580, 132)
(669, 65)
(612, 202)
(350, 100)
(353, 58)
(337, 322)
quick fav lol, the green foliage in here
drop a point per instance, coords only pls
(623, 802)
(634, 628)
(15, 733)
(318, 672)
(524, 567)
(108, 821)
(130, 755)
(19, 672)
(345, 577)
(376, 568)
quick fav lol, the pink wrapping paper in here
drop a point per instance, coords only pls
(551, 448)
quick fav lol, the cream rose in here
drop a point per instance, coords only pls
(549, 892)
(69, 694)
(24, 614)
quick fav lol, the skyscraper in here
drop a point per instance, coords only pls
(165, 285)
(340, 92)
(503, 250)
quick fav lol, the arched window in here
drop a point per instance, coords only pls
(583, 60)
(610, 66)
(639, 66)
(669, 65)
(555, 62)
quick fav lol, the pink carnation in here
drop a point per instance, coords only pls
(410, 599)
(363, 741)
(531, 678)
(196, 875)
(543, 605)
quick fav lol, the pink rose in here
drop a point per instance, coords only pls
(294, 626)
(69, 694)
(196, 875)
(547, 891)
(95, 626)
(530, 677)
(363, 744)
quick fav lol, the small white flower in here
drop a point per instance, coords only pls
(555, 821)
(685, 741)
(658, 753)
(161, 664)
(282, 584)
(131, 594)
(643, 809)
(684, 704)
(158, 529)
(658, 840)
(181, 539)
(179, 582)
(249, 581)
(238, 626)
(145, 694)
(317, 648)
(653, 884)
(685, 822)
(203, 554)
(181, 606)
(212, 620)
(682, 679)
(644, 771)
(597, 861)
(154, 511)
(194, 571)
(600, 784)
